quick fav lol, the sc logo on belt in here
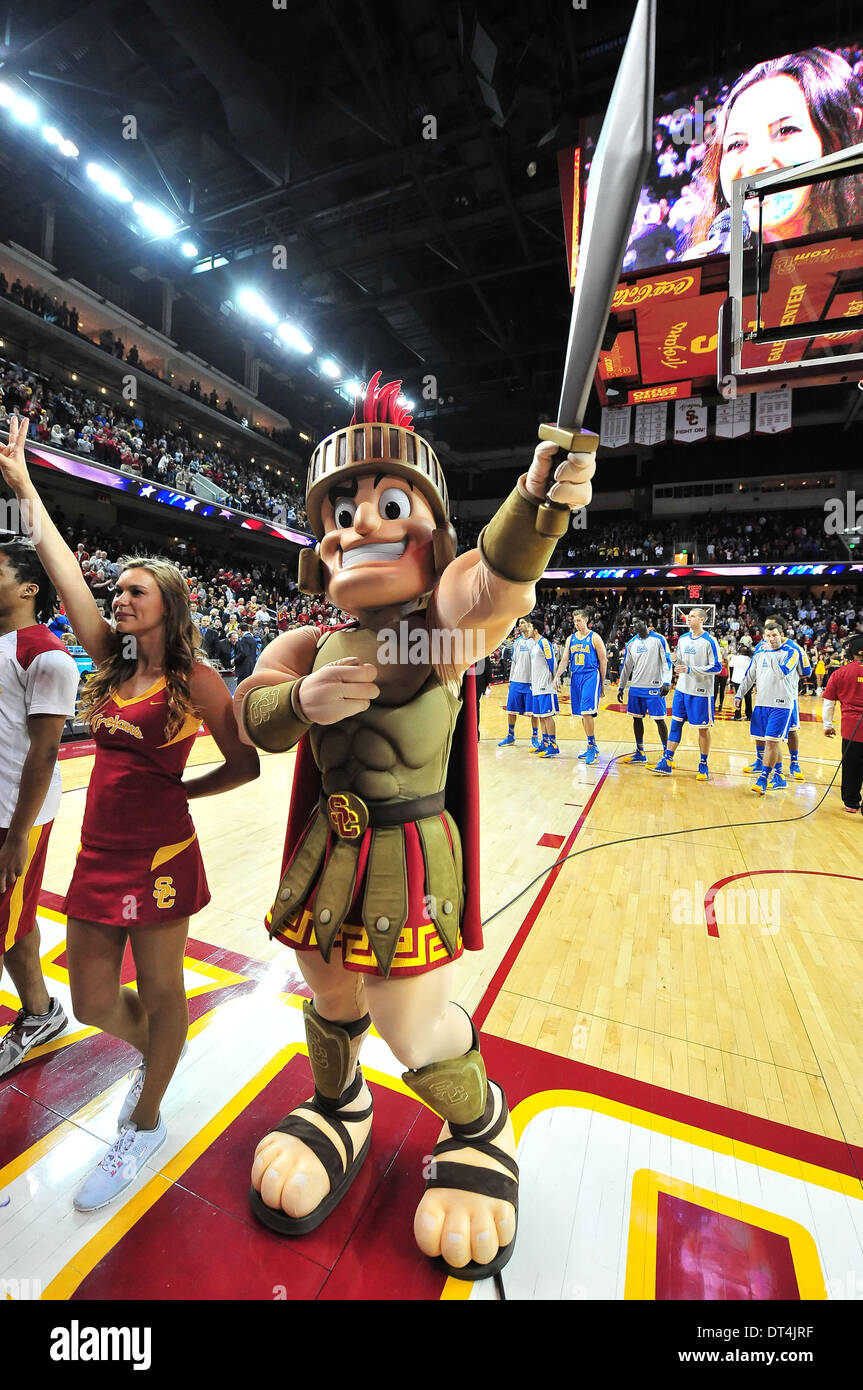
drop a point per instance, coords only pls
(348, 815)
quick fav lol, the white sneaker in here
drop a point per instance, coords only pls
(120, 1166)
(29, 1031)
(134, 1093)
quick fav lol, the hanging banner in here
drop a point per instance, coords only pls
(772, 412)
(622, 359)
(690, 421)
(672, 391)
(734, 419)
(844, 306)
(678, 340)
(614, 430)
(679, 285)
(650, 423)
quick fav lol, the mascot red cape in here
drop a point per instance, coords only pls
(379, 893)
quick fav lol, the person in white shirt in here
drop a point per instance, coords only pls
(38, 685)
(738, 667)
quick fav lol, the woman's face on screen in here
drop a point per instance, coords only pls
(769, 127)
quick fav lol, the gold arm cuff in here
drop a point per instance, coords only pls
(271, 718)
(510, 545)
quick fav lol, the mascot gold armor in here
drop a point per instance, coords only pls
(380, 890)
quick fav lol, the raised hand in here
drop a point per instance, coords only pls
(13, 464)
(566, 482)
(336, 691)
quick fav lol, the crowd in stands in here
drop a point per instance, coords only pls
(71, 419)
(723, 537)
(55, 311)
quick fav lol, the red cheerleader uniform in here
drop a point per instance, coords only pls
(139, 861)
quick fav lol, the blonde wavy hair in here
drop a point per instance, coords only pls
(182, 642)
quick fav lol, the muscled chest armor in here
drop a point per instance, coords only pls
(399, 747)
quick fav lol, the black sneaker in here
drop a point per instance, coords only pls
(29, 1031)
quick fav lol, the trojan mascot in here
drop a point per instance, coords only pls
(379, 891)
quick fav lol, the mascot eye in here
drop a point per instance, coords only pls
(394, 503)
(344, 512)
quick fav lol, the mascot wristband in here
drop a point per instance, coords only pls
(271, 716)
(510, 544)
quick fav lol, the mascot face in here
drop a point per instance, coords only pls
(377, 545)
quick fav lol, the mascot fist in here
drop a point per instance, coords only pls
(567, 481)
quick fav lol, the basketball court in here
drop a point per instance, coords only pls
(676, 1021)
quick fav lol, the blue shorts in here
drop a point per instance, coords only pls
(584, 692)
(696, 710)
(795, 719)
(518, 699)
(544, 705)
(769, 723)
(643, 699)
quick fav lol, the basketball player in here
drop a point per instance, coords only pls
(804, 670)
(647, 671)
(38, 684)
(793, 740)
(698, 660)
(543, 700)
(773, 670)
(518, 697)
(845, 687)
(586, 658)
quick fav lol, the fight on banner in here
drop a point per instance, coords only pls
(690, 421)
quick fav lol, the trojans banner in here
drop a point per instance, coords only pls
(678, 339)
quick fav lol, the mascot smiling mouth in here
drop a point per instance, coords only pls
(380, 551)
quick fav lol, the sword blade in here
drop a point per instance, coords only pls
(617, 175)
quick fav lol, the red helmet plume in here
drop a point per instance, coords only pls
(377, 405)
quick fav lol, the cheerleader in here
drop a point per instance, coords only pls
(139, 875)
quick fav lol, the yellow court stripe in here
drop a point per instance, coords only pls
(644, 1220)
(797, 1168)
(64, 1284)
(534, 1105)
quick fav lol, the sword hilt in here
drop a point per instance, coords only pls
(552, 518)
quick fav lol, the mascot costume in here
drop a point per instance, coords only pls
(380, 887)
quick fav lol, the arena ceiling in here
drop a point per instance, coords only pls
(302, 127)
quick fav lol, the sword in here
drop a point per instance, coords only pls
(616, 178)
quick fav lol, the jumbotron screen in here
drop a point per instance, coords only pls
(773, 115)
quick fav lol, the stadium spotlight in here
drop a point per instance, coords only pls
(252, 302)
(24, 110)
(7, 96)
(294, 337)
(330, 368)
(52, 135)
(69, 149)
(353, 388)
(189, 249)
(156, 221)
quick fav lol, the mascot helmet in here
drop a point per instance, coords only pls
(380, 436)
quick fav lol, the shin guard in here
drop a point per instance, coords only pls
(456, 1090)
(333, 1050)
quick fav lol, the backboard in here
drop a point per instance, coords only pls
(794, 311)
